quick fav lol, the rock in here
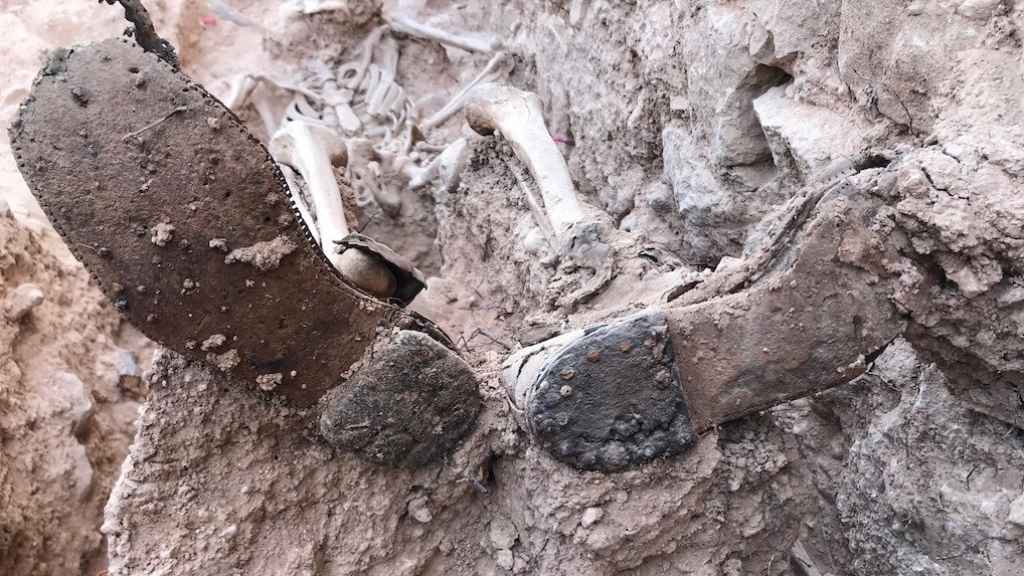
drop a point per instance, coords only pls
(503, 533)
(78, 404)
(591, 516)
(410, 405)
(22, 300)
(1016, 515)
(979, 9)
(269, 382)
(805, 138)
(419, 510)
(219, 244)
(213, 342)
(161, 234)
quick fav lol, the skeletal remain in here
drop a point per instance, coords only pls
(446, 166)
(406, 25)
(493, 69)
(307, 146)
(517, 116)
(252, 89)
(314, 6)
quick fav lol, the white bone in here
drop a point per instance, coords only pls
(446, 166)
(405, 25)
(313, 6)
(517, 115)
(489, 73)
(252, 89)
(307, 147)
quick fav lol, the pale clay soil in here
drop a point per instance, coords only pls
(688, 124)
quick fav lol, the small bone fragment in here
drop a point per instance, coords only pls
(517, 115)
(405, 25)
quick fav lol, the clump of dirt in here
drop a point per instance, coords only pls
(70, 390)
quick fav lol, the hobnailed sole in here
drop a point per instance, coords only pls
(186, 222)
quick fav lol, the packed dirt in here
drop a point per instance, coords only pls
(781, 164)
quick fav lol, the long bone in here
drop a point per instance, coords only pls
(490, 72)
(406, 25)
(308, 146)
(517, 116)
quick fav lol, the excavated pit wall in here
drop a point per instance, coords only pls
(688, 122)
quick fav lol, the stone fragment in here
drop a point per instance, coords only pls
(1016, 515)
(161, 234)
(979, 9)
(503, 533)
(22, 300)
(591, 516)
(803, 137)
(419, 509)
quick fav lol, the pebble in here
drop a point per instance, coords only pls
(591, 516)
(267, 382)
(23, 300)
(419, 510)
(220, 244)
(214, 342)
(161, 234)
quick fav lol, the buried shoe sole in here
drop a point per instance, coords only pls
(409, 406)
(607, 397)
(186, 222)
